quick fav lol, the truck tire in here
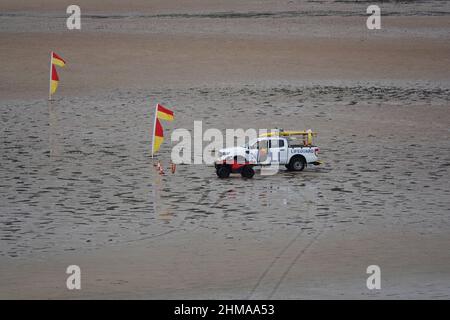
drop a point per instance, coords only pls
(223, 171)
(297, 163)
(247, 172)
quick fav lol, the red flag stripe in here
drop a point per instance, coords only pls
(54, 74)
(162, 109)
(58, 57)
(158, 129)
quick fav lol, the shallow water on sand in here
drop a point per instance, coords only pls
(77, 173)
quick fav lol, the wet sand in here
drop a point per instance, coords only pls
(78, 185)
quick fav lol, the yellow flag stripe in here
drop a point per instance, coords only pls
(58, 62)
(157, 141)
(53, 86)
(164, 116)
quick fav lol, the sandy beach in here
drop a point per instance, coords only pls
(78, 186)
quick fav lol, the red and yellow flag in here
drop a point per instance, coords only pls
(54, 80)
(57, 60)
(158, 136)
(163, 113)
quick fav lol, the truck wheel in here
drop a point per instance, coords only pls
(247, 172)
(223, 171)
(297, 164)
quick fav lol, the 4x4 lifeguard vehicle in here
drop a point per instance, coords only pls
(279, 147)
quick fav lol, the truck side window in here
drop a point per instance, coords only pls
(276, 143)
(263, 144)
(263, 150)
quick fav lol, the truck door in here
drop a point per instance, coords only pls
(253, 151)
(263, 151)
(278, 150)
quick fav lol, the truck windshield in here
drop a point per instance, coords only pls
(251, 145)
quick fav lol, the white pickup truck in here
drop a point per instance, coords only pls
(272, 148)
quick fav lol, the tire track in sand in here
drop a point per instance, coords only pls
(281, 264)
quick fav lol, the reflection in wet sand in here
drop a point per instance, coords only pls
(55, 145)
(161, 211)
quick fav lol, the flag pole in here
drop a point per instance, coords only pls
(154, 128)
(50, 78)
